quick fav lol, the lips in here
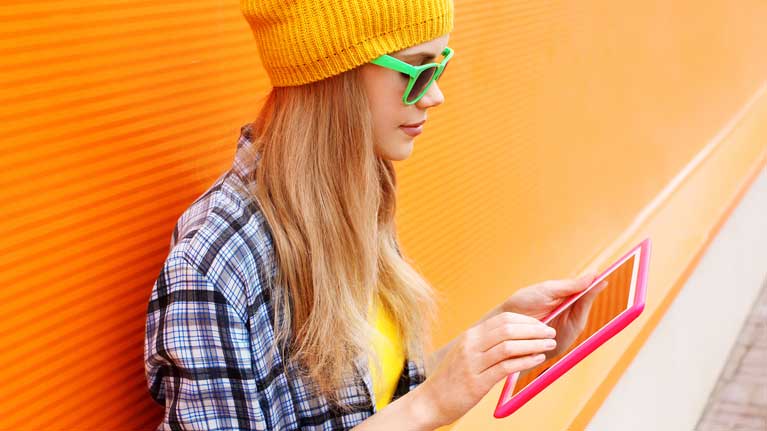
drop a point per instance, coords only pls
(414, 124)
(413, 130)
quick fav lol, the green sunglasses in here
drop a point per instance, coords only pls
(421, 77)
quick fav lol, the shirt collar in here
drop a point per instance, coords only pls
(243, 160)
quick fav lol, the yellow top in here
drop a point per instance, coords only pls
(388, 346)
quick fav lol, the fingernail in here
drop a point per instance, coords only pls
(549, 343)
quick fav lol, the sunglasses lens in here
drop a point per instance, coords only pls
(420, 83)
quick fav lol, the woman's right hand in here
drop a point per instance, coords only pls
(482, 356)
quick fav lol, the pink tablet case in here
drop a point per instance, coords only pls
(588, 346)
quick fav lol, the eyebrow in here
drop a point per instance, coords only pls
(423, 56)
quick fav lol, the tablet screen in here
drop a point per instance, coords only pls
(613, 300)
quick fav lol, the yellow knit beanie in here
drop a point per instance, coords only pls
(302, 41)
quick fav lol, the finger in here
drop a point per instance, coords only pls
(592, 294)
(492, 375)
(601, 286)
(565, 287)
(515, 331)
(582, 308)
(512, 349)
(507, 317)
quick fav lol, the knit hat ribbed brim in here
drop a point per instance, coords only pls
(302, 41)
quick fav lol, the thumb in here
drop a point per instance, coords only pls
(589, 277)
(595, 291)
(559, 288)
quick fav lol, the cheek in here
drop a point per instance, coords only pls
(386, 115)
(389, 107)
(384, 91)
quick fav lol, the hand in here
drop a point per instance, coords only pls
(572, 320)
(541, 299)
(480, 357)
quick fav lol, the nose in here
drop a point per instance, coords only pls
(433, 97)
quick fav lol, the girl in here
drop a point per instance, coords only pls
(284, 302)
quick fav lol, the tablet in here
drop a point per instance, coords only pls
(612, 310)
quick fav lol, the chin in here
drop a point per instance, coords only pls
(397, 147)
(398, 154)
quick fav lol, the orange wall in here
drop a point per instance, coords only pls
(563, 122)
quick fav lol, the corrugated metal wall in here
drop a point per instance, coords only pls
(562, 121)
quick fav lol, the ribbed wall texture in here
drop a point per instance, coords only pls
(562, 120)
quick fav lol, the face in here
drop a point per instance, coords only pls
(385, 87)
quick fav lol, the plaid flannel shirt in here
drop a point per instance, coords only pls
(208, 326)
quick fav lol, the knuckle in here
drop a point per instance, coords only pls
(469, 336)
(508, 317)
(508, 348)
(509, 330)
(464, 348)
(508, 366)
(548, 284)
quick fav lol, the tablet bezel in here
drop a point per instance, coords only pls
(611, 328)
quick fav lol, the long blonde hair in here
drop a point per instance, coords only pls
(330, 202)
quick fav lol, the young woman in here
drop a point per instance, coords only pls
(285, 302)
